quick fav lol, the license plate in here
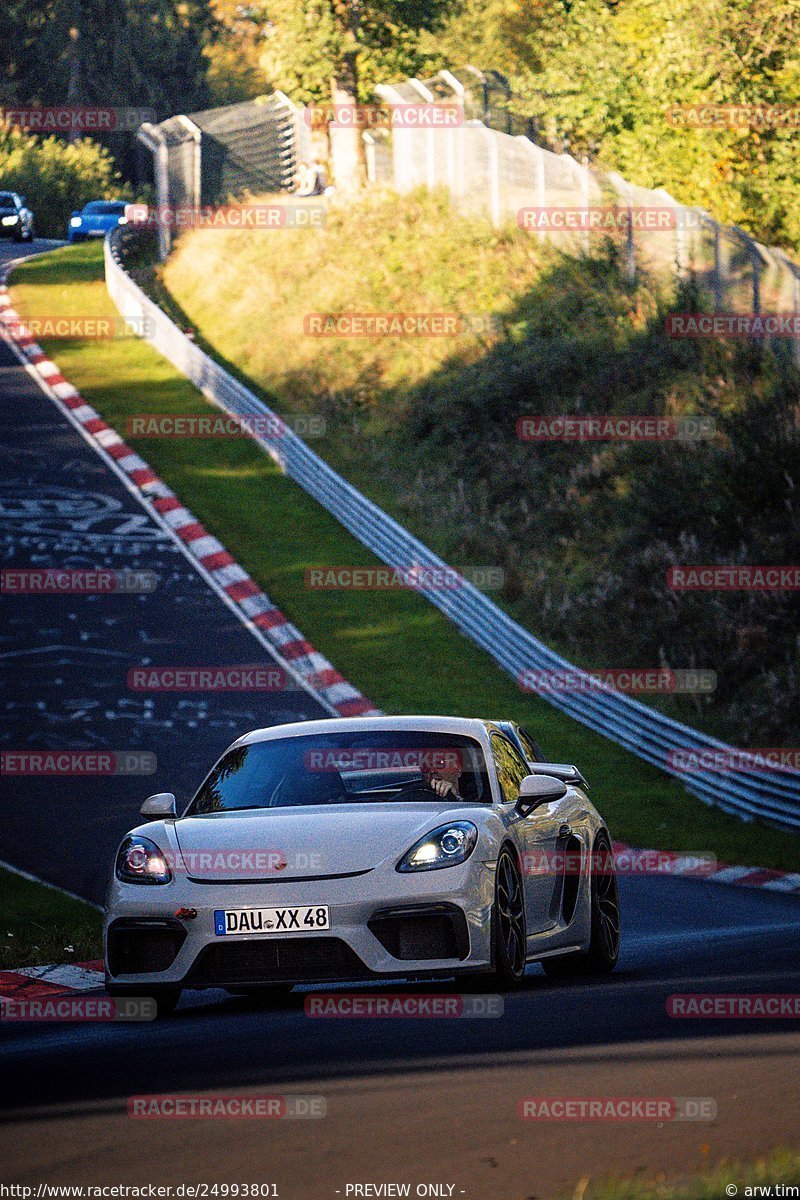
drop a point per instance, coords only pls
(307, 917)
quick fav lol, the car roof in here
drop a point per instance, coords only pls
(466, 726)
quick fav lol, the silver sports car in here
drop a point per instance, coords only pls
(365, 849)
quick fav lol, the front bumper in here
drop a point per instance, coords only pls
(383, 924)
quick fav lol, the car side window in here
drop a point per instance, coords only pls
(511, 770)
(529, 746)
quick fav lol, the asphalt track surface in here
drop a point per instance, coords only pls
(408, 1101)
(65, 659)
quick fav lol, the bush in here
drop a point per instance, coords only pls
(57, 177)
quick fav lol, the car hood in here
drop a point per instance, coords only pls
(297, 843)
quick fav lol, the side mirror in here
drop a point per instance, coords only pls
(536, 790)
(162, 804)
(23, 200)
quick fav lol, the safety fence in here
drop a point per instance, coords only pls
(495, 174)
(207, 156)
(691, 756)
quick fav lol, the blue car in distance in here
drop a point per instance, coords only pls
(96, 219)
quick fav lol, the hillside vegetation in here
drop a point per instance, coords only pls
(427, 427)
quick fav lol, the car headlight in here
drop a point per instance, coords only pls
(10, 220)
(443, 847)
(140, 861)
(75, 222)
(122, 221)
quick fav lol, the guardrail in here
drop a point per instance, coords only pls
(772, 796)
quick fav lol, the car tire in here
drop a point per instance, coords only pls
(509, 931)
(601, 956)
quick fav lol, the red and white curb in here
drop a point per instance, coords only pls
(40, 983)
(631, 860)
(299, 658)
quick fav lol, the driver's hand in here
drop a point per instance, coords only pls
(443, 787)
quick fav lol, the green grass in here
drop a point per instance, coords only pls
(39, 924)
(779, 1167)
(425, 427)
(394, 646)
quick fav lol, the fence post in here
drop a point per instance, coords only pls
(623, 188)
(584, 177)
(494, 177)
(196, 184)
(680, 233)
(541, 187)
(153, 138)
(369, 155)
(717, 276)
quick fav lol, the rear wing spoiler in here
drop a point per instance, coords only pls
(566, 772)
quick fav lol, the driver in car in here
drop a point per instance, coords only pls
(442, 773)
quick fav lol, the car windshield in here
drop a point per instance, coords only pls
(346, 768)
(105, 208)
(7, 200)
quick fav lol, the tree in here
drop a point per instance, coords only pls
(334, 51)
(233, 49)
